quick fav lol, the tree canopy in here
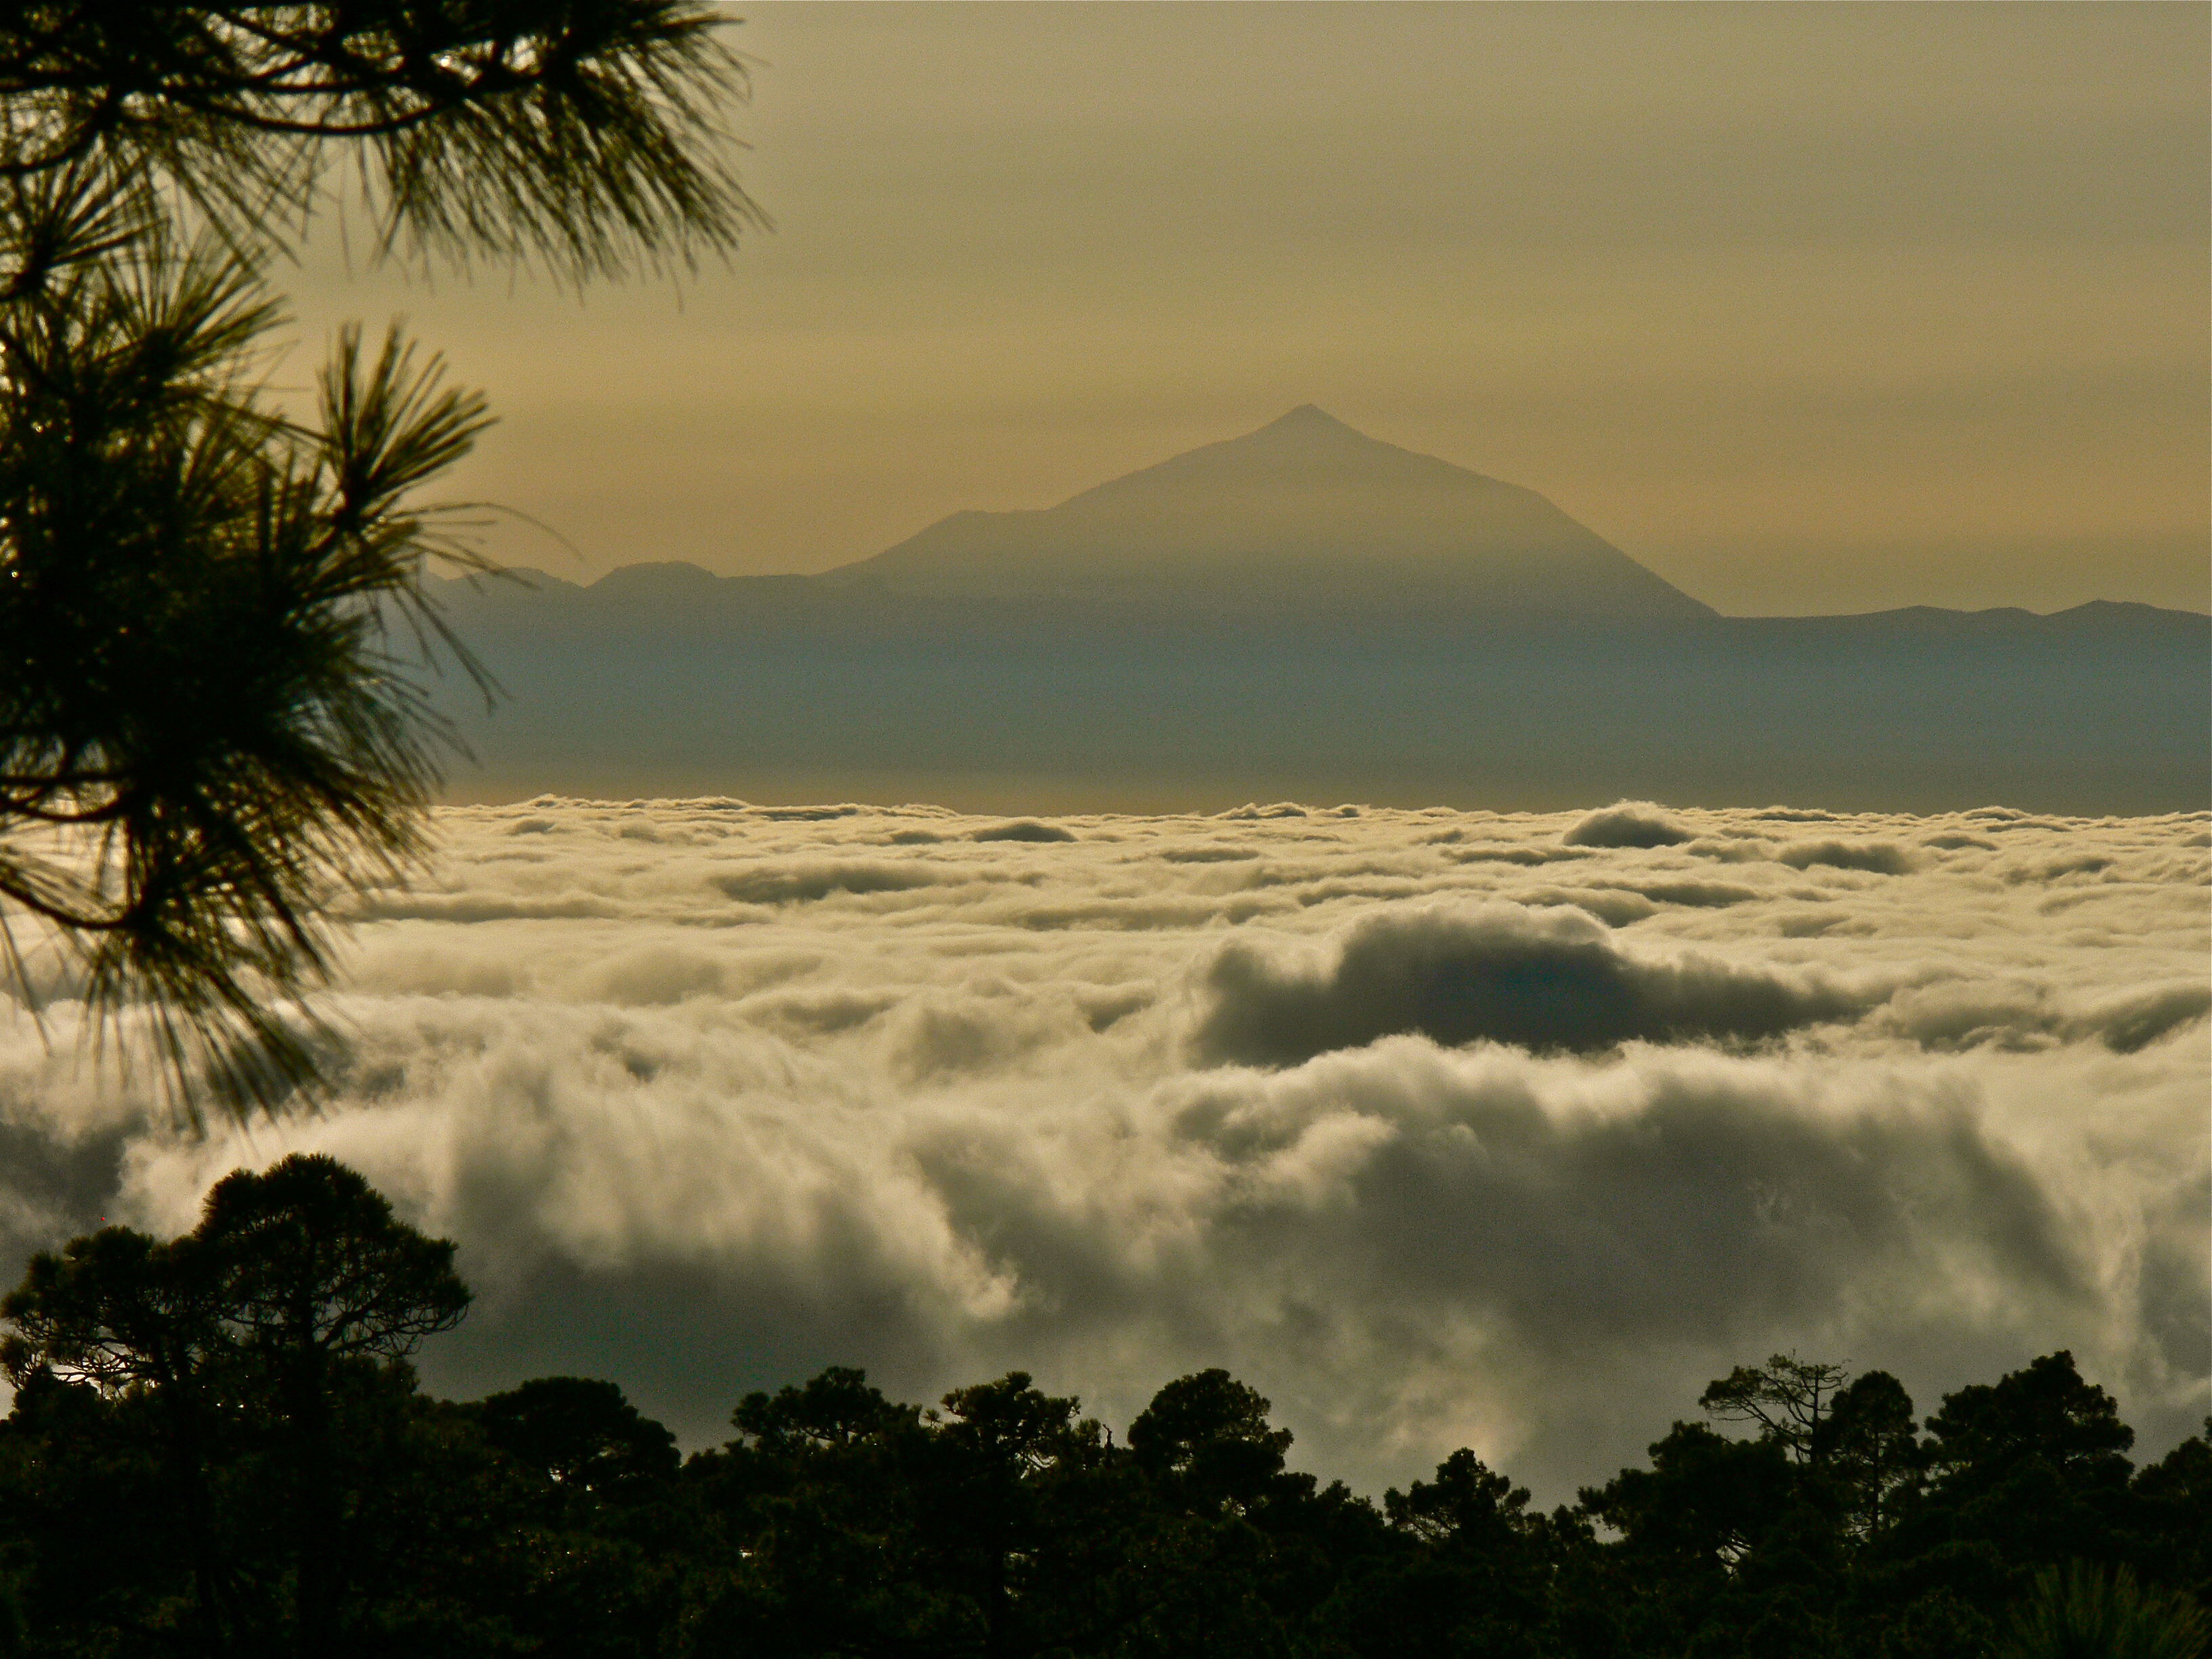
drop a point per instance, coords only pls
(214, 718)
(218, 1447)
(585, 133)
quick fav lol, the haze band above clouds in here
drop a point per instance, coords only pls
(1438, 1127)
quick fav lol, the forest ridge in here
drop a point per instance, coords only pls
(218, 1446)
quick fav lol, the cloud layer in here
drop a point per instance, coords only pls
(1546, 980)
(1440, 1127)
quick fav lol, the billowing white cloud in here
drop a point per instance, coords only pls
(1439, 1127)
(1627, 823)
(1539, 978)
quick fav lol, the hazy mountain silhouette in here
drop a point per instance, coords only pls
(1304, 513)
(1304, 611)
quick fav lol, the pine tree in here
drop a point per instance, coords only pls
(214, 640)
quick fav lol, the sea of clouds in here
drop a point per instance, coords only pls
(1439, 1127)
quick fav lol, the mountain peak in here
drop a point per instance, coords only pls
(1306, 512)
(1308, 424)
(1312, 416)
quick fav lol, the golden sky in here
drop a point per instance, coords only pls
(1810, 308)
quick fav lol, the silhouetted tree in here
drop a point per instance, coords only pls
(294, 1284)
(317, 1272)
(97, 1542)
(1870, 1452)
(814, 1533)
(2171, 1523)
(2045, 1414)
(121, 1317)
(2031, 1467)
(211, 712)
(581, 1435)
(1477, 1580)
(1210, 1432)
(991, 1468)
(1704, 1504)
(1790, 1400)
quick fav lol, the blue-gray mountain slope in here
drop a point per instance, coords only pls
(1306, 612)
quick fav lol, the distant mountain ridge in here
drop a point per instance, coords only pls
(1307, 612)
(678, 591)
(1304, 515)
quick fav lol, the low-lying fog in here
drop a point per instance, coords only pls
(1440, 1128)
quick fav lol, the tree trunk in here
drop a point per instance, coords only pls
(188, 1469)
(315, 1507)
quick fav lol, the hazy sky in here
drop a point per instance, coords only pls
(1810, 308)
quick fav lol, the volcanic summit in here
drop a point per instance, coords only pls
(1304, 513)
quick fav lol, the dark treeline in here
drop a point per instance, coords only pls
(218, 1446)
